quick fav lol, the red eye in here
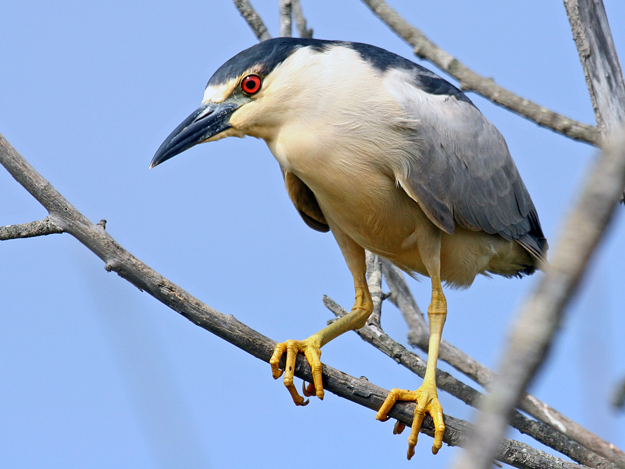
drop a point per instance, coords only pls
(251, 84)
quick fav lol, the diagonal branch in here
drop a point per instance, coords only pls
(374, 335)
(300, 20)
(28, 230)
(227, 327)
(418, 335)
(253, 20)
(471, 81)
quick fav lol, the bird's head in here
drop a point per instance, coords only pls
(250, 94)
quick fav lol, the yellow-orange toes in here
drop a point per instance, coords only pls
(427, 402)
(312, 350)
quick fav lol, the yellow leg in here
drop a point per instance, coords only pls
(311, 347)
(426, 397)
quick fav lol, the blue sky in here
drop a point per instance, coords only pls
(94, 373)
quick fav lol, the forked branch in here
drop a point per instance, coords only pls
(28, 230)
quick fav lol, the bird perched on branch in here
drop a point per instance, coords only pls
(387, 156)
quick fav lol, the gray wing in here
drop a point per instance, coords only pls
(305, 202)
(460, 171)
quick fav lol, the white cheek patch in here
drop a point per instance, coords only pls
(218, 93)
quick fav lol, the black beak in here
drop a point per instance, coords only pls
(207, 121)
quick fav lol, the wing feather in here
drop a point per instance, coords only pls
(305, 202)
(459, 169)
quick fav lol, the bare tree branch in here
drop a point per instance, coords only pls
(127, 266)
(286, 28)
(374, 335)
(300, 21)
(471, 81)
(28, 230)
(539, 318)
(604, 77)
(374, 280)
(253, 20)
(419, 335)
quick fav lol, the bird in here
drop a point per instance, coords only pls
(387, 156)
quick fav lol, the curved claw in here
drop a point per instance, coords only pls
(308, 389)
(312, 351)
(297, 399)
(398, 428)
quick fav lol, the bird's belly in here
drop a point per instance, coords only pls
(383, 219)
(366, 204)
(377, 215)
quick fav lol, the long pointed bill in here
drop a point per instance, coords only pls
(205, 122)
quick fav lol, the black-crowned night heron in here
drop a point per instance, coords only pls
(390, 158)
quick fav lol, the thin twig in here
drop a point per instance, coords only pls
(117, 259)
(374, 280)
(253, 20)
(28, 230)
(469, 80)
(374, 335)
(300, 20)
(286, 28)
(538, 320)
(419, 335)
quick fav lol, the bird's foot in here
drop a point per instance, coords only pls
(312, 350)
(426, 398)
